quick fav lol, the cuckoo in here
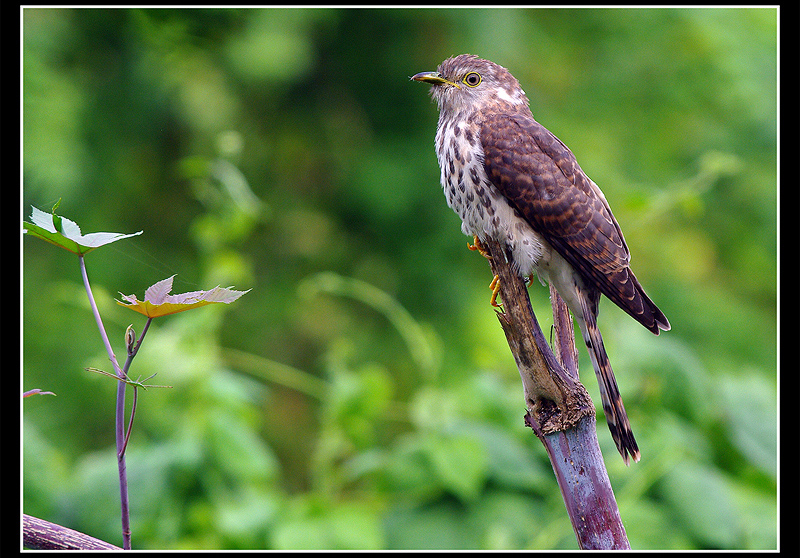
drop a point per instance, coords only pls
(510, 179)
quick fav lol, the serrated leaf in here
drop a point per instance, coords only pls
(158, 302)
(66, 234)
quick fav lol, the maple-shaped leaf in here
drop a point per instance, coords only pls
(158, 302)
(66, 233)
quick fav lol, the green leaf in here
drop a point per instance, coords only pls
(158, 302)
(751, 409)
(460, 463)
(702, 501)
(66, 233)
(312, 523)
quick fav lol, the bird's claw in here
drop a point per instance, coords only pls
(478, 247)
(495, 286)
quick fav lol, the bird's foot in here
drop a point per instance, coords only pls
(495, 286)
(478, 247)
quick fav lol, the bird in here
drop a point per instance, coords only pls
(510, 179)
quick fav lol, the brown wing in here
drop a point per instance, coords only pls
(540, 176)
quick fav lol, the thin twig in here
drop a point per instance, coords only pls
(132, 349)
(111, 356)
(120, 412)
(121, 452)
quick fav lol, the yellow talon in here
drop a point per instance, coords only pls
(478, 247)
(495, 286)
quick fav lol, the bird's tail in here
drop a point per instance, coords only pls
(616, 417)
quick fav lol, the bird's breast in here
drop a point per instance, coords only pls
(483, 210)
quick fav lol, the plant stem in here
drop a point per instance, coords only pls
(125, 368)
(121, 452)
(111, 356)
(123, 472)
(120, 411)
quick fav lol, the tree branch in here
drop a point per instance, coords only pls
(38, 534)
(560, 411)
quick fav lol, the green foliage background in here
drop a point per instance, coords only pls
(362, 394)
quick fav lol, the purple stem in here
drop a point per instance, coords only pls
(120, 414)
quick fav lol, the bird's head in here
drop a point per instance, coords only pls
(468, 82)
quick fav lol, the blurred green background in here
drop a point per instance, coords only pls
(362, 395)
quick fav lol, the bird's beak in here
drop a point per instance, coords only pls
(434, 78)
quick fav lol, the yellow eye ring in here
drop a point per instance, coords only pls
(472, 79)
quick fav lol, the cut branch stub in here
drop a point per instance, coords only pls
(554, 396)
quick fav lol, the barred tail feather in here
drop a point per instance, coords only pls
(616, 417)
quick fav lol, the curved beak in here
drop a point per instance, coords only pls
(434, 78)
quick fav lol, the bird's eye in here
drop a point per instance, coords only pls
(472, 79)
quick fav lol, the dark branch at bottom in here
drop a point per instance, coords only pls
(38, 534)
